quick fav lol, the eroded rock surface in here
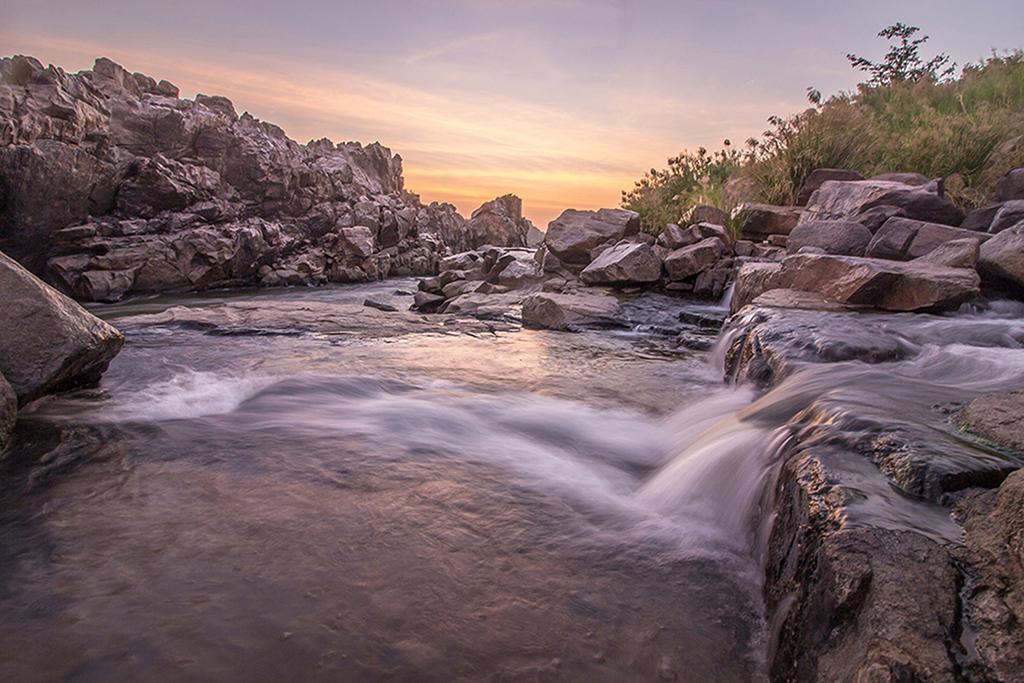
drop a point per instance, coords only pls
(114, 185)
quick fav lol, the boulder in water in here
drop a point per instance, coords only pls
(571, 311)
(753, 279)
(47, 341)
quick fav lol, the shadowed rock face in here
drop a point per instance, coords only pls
(112, 184)
(48, 342)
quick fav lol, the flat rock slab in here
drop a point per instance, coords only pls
(571, 311)
(47, 341)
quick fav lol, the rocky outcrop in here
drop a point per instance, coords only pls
(571, 311)
(574, 235)
(888, 285)
(844, 238)
(903, 239)
(466, 278)
(48, 342)
(113, 185)
(871, 202)
(624, 263)
(818, 176)
(1001, 259)
(500, 223)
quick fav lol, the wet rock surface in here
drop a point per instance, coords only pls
(47, 341)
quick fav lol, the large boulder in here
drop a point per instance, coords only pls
(903, 239)
(1001, 258)
(575, 234)
(47, 341)
(865, 201)
(500, 223)
(758, 221)
(888, 285)
(818, 176)
(625, 263)
(571, 311)
(845, 238)
(686, 262)
(1010, 186)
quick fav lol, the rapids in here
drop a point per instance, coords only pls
(451, 504)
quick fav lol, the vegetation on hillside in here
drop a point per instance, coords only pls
(912, 114)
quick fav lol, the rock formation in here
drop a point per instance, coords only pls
(112, 184)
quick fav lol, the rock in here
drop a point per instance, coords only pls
(819, 176)
(688, 261)
(997, 417)
(758, 221)
(534, 236)
(8, 412)
(573, 235)
(753, 279)
(571, 311)
(113, 186)
(485, 306)
(674, 237)
(379, 305)
(712, 283)
(519, 272)
(777, 241)
(959, 253)
(625, 263)
(1001, 258)
(858, 200)
(844, 238)
(888, 285)
(903, 239)
(704, 213)
(48, 342)
(1011, 186)
(425, 302)
(853, 604)
(500, 223)
(1010, 214)
(981, 218)
(994, 590)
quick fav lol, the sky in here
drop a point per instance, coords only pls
(563, 102)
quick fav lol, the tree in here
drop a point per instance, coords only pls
(903, 62)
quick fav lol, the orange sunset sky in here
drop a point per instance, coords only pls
(564, 103)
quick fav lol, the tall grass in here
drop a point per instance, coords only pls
(969, 129)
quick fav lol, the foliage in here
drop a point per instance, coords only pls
(662, 196)
(903, 61)
(910, 116)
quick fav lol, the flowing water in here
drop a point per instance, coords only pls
(462, 503)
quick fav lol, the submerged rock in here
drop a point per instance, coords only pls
(47, 341)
